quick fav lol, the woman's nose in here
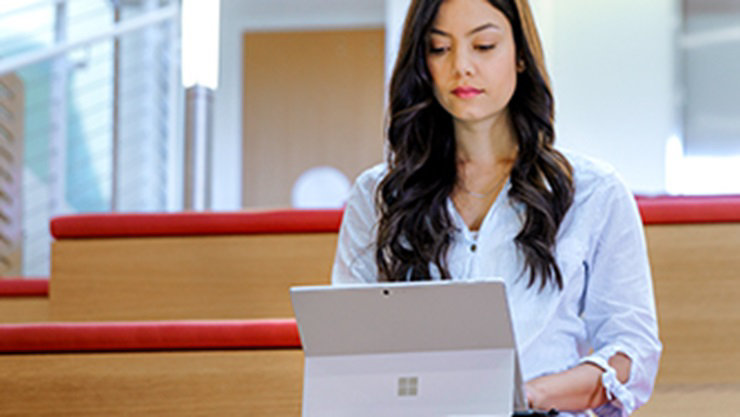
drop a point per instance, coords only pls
(462, 64)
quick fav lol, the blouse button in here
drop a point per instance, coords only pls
(473, 247)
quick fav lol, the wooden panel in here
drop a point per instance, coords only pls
(215, 383)
(12, 106)
(24, 309)
(310, 98)
(697, 287)
(199, 277)
(692, 400)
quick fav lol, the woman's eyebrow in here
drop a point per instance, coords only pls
(472, 32)
(484, 27)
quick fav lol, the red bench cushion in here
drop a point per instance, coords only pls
(654, 210)
(195, 223)
(689, 209)
(148, 336)
(24, 287)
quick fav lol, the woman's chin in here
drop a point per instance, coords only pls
(469, 117)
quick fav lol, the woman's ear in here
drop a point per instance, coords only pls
(520, 65)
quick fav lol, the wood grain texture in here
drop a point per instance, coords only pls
(310, 98)
(210, 383)
(692, 400)
(199, 277)
(696, 274)
(12, 120)
(24, 309)
(695, 271)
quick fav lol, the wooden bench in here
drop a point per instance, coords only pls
(195, 368)
(179, 266)
(24, 300)
(694, 249)
(693, 244)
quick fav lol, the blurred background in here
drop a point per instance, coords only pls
(169, 105)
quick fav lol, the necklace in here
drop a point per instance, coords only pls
(486, 194)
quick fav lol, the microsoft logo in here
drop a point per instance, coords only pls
(408, 386)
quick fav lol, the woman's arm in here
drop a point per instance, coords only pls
(578, 388)
(618, 314)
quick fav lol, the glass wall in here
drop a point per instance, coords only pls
(102, 91)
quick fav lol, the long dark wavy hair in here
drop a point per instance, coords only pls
(415, 228)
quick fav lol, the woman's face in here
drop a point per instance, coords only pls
(471, 56)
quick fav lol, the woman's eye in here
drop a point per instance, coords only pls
(485, 47)
(437, 50)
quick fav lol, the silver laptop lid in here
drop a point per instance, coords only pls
(403, 317)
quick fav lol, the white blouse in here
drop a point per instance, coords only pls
(606, 304)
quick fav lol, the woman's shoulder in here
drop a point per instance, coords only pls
(589, 169)
(368, 180)
(372, 175)
(602, 200)
(594, 180)
(362, 195)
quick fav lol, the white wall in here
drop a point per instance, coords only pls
(395, 13)
(612, 64)
(239, 16)
(613, 69)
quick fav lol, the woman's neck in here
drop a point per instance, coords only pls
(486, 142)
(486, 152)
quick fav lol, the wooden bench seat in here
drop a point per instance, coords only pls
(223, 368)
(180, 266)
(24, 300)
(694, 249)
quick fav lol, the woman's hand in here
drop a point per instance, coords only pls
(536, 397)
(578, 388)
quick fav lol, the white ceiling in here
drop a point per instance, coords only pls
(277, 7)
(245, 15)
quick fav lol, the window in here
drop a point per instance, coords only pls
(711, 77)
(707, 158)
(101, 87)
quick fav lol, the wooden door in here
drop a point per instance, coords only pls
(310, 99)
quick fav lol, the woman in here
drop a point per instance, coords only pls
(474, 188)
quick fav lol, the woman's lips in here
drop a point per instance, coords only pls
(466, 92)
